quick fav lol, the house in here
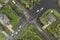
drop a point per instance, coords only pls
(4, 19)
(51, 18)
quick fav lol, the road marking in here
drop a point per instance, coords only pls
(12, 34)
(18, 30)
(16, 33)
(19, 26)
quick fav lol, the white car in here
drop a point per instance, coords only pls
(41, 9)
(37, 11)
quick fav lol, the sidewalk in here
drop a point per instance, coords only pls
(5, 33)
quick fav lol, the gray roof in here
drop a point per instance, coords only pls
(4, 18)
(1, 14)
(51, 17)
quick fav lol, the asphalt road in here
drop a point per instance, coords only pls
(18, 30)
(42, 32)
(46, 4)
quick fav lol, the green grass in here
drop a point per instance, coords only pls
(56, 13)
(30, 34)
(1, 1)
(1, 36)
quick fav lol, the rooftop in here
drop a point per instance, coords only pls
(4, 19)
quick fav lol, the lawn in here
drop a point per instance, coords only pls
(1, 36)
(56, 13)
(29, 32)
(1, 1)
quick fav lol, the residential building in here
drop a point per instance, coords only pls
(51, 18)
(4, 20)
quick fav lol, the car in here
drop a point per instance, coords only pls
(41, 9)
(37, 11)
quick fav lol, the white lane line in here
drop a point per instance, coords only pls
(18, 30)
(19, 26)
(12, 34)
(16, 33)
